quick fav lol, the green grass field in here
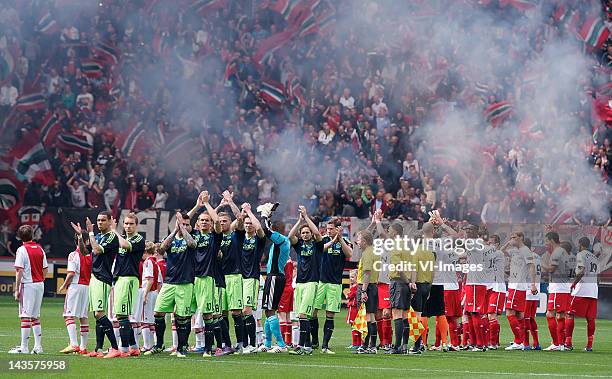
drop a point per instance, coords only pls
(576, 364)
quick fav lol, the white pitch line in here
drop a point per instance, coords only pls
(500, 358)
(403, 369)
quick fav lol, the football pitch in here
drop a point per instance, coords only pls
(491, 364)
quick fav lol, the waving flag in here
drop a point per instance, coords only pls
(521, 5)
(47, 24)
(107, 52)
(83, 143)
(272, 93)
(594, 32)
(203, 7)
(496, 113)
(91, 67)
(29, 160)
(11, 191)
(131, 138)
(49, 129)
(31, 101)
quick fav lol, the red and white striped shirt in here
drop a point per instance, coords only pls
(32, 260)
(80, 265)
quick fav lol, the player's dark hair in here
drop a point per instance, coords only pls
(335, 222)
(397, 228)
(584, 243)
(520, 235)
(278, 226)
(25, 233)
(527, 242)
(496, 238)
(553, 236)
(107, 214)
(305, 226)
(567, 246)
(185, 216)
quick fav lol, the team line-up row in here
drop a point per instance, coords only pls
(205, 275)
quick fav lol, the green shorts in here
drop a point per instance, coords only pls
(220, 300)
(250, 292)
(304, 298)
(233, 291)
(125, 294)
(172, 295)
(329, 297)
(204, 294)
(98, 295)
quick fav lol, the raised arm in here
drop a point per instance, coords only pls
(211, 211)
(229, 198)
(95, 246)
(330, 243)
(168, 240)
(79, 232)
(186, 235)
(313, 228)
(123, 243)
(198, 205)
(293, 232)
(256, 224)
(346, 249)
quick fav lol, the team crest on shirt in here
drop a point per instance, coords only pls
(178, 246)
(249, 244)
(227, 240)
(204, 240)
(335, 249)
(307, 249)
(105, 239)
(133, 239)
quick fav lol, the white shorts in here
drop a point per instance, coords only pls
(293, 316)
(136, 316)
(30, 299)
(196, 321)
(148, 316)
(144, 313)
(76, 303)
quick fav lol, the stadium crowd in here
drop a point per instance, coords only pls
(182, 70)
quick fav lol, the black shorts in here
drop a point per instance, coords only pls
(371, 304)
(399, 294)
(420, 297)
(434, 306)
(272, 292)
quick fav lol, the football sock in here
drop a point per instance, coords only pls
(25, 333)
(314, 330)
(225, 331)
(217, 332)
(107, 327)
(125, 329)
(569, 332)
(328, 330)
(373, 334)
(160, 328)
(71, 327)
(552, 328)
(209, 335)
(534, 332)
(442, 327)
(590, 332)
(275, 329)
(561, 329)
(99, 335)
(84, 335)
(238, 329)
(304, 332)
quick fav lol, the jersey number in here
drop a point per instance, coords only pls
(100, 304)
(593, 267)
(123, 308)
(248, 300)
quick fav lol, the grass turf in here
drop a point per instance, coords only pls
(575, 364)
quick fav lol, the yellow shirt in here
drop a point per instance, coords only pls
(424, 261)
(368, 263)
(396, 259)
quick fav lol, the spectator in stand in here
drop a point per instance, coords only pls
(78, 190)
(112, 198)
(161, 197)
(145, 198)
(131, 196)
